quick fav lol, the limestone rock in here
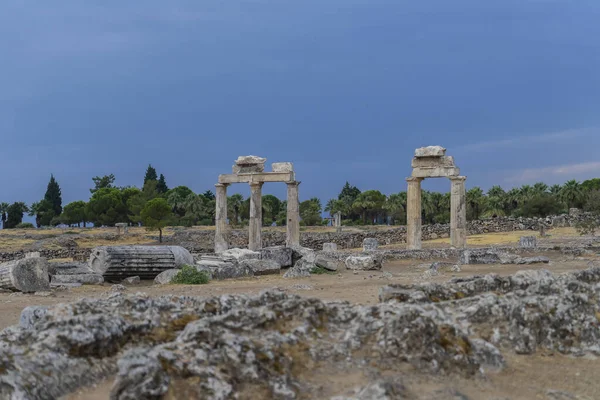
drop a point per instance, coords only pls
(248, 169)
(132, 280)
(305, 253)
(280, 254)
(261, 267)
(250, 160)
(430, 151)
(433, 162)
(330, 247)
(363, 263)
(232, 271)
(84, 279)
(527, 242)
(25, 275)
(327, 263)
(31, 315)
(302, 268)
(240, 254)
(486, 256)
(532, 260)
(165, 277)
(282, 167)
(370, 244)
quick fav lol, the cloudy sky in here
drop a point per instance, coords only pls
(345, 89)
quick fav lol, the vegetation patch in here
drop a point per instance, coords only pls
(321, 271)
(189, 275)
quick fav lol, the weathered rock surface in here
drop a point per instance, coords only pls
(132, 280)
(261, 267)
(327, 263)
(299, 252)
(116, 263)
(25, 275)
(280, 254)
(240, 254)
(329, 247)
(430, 151)
(528, 242)
(486, 256)
(165, 277)
(250, 160)
(370, 244)
(84, 279)
(301, 268)
(219, 268)
(363, 263)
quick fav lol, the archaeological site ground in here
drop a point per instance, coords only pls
(499, 308)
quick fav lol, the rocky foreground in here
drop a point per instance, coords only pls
(281, 346)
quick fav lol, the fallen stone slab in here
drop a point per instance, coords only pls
(363, 263)
(231, 271)
(261, 267)
(116, 263)
(25, 275)
(132, 280)
(83, 279)
(280, 254)
(330, 247)
(299, 252)
(301, 269)
(532, 260)
(240, 254)
(327, 263)
(486, 256)
(69, 268)
(166, 277)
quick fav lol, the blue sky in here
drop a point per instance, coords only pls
(344, 89)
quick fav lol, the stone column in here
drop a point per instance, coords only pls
(293, 215)
(221, 218)
(254, 234)
(413, 213)
(458, 212)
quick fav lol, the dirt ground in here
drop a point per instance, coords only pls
(526, 377)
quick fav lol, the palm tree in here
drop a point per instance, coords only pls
(234, 206)
(177, 202)
(3, 210)
(395, 206)
(497, 200)
(525, 194)
(540, 188)
(555, 190)
(475, 203)
(369, 203)
(193, 206)
(571, 193)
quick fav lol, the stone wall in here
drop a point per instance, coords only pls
(76, 254)
(202, 241)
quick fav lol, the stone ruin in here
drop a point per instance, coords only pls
(432, 162)
(251, 170)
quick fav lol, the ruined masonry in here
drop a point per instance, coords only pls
(251, 170)
(432, 162)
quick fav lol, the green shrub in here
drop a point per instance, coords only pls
(189, 275)
(587, 226)
(321, 271)
(25, 225)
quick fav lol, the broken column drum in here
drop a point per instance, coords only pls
(432, 162)
(116, 263)
(251, 170)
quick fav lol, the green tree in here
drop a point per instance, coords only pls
(591, 185)
(369, 204)
(209, 195)
(135, 204)
(395, 206)
(234, 207)
(271, 206)
(592, 203)
(106, 207)
(74, 213)
(497, 202)
(3, 211)
(156, 214)
(571, 193)
(540, 188)
(151, 174)
(475, 203)
(348, 195)
(161, 186)
(102, 182)
(310, 212)
(53, 196)
(334, 206)
(15, 214)
(539, 206)
(43, 212)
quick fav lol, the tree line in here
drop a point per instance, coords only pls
(155, 205)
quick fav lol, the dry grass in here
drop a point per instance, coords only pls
(505, 238)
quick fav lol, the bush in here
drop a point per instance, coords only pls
(587, 226)
(25, 225)
(189, 275)
(321, 271)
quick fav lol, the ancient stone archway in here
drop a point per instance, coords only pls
(432, 162)
(251, 170)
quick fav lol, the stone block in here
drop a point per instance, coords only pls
(282, 167)
(363, 263)
(262, 267)
(528, 242)
(370, 244)
(280, 254)
(25, 275)
(486, 256)
(240, 254)
(132, 280)
(433, 162)
(31, 315)
(299, 252)
(33, 254)
(165, 277)
(250, 160)
(430, 151)
(327, 263)
(84, 279)
(438, 172)
(248, 169)
(301, 268)
(329, 247)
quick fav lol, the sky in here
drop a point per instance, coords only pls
(344, 89)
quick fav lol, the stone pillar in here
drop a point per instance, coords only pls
(413, 213)
(338, 222)
(254, 234)
(458, 212)
(221, 218)
(293, 215)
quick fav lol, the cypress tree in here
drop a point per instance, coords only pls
(161, 186)
(150, 174)
(53, 196)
